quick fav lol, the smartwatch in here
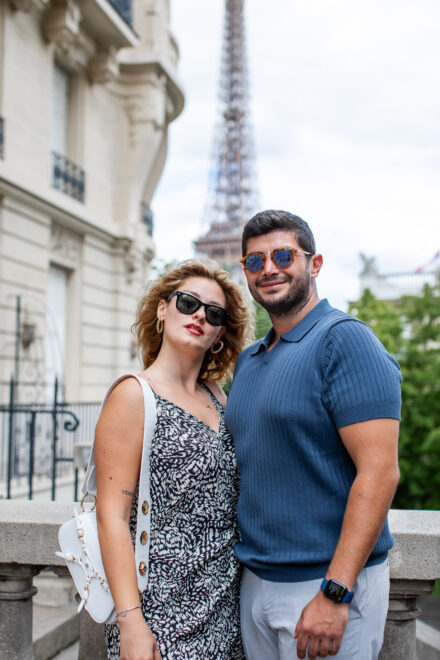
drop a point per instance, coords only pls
(336, 591)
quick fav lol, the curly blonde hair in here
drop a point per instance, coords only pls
(239, 329)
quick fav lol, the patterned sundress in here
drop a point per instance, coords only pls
(191, 603)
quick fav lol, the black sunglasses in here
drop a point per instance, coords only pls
(188, 304)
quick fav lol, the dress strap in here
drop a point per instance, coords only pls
(213, 397)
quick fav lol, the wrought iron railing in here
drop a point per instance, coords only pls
(124, 9)
(38, 440)
(68, 177)
(2, 139)
(147, 217)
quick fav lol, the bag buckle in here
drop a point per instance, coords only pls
(84, 497)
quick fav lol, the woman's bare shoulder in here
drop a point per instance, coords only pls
(125, 401)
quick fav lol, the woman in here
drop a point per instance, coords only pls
(190, 326)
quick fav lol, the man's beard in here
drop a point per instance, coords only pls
(292, 302)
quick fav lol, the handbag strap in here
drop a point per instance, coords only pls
(143, 519)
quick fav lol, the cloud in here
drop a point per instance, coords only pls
(345, 104)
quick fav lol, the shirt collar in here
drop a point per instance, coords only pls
(263, 344)
(316, 314)
(298, 331)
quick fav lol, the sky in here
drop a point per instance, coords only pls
(345, 107)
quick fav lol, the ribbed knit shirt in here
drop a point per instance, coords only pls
(284, 410)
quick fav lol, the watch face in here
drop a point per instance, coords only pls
(335, 591)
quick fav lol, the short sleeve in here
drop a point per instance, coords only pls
(361, 380)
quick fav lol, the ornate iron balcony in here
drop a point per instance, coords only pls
(147, 217)
(2, 144)
(124, 9)
(68, 177)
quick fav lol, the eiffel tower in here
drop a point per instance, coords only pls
(232, 196)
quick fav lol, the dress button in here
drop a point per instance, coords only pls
(144, 537)
(142, 568)
(145, 507)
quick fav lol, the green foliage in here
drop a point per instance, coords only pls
(410, 330)
(382, 317)
(159, 267)
(262, 321)
(262, 325)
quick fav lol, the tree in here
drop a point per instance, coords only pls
(410, 330)
(262, 321)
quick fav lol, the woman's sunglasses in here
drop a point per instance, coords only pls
(188, 304)
(282, 257)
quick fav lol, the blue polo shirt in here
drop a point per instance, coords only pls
(284, 410)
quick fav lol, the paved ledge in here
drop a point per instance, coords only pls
(29, 535)
(416, 551)
(29, 531)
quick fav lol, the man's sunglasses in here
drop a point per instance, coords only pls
(281, 257)
(188, 304)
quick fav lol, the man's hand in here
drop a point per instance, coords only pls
(321, 626)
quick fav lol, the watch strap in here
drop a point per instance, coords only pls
(346, 598)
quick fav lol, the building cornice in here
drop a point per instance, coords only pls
(73, 215)
(140, 61)
(105, 25)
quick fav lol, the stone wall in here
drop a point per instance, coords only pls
(123, 94)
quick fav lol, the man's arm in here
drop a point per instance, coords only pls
(372, 446)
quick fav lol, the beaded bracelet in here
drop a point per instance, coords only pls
(124, 612)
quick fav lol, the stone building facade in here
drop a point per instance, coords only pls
(392, 286)
(87, 91)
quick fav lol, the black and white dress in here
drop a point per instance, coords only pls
(191, 603)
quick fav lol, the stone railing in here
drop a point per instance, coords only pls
(28, 540)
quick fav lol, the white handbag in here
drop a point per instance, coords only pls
(78, 537)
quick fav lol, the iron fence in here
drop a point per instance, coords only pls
(38, 440)
(68, 177)
(147, 217)
(124, 9)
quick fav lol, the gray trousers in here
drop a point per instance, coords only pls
(270, 611)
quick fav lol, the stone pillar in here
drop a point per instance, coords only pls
(16, 591)
(400, 628)
(91, 639)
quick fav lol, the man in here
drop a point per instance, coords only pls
(314, 410)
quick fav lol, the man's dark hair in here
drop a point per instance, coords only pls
(267, 221)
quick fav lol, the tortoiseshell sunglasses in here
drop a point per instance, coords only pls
(281, 257)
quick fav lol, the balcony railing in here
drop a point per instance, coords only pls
(2, 139)
(28, 540)
(124, 9)
(147, 217)
(68, 177)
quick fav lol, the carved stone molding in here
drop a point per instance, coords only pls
(134, 258)
(66, 245)
(26, 5)
(21, 5)
(61, 24)
(146, 107)
(104, 66)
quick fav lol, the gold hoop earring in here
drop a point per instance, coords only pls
(159, 326)
(220, 345)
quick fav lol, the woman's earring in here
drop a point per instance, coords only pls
(159, 326)
(216, 348)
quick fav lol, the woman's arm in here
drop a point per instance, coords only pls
(118, 453)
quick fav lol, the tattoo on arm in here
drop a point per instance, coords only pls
(127, 492)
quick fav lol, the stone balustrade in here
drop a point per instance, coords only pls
(28, 541)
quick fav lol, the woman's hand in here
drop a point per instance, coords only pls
(137, 642)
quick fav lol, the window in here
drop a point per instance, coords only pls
(66, 175)
(60, 110)
(56, 326)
